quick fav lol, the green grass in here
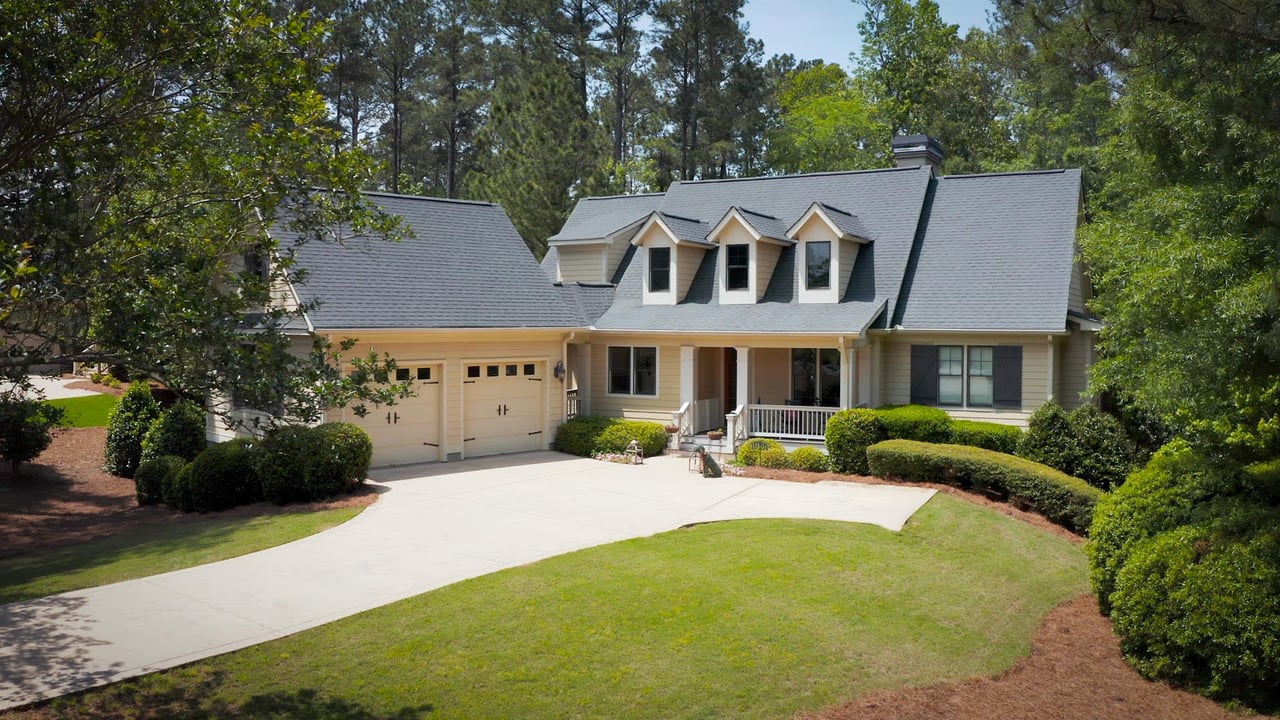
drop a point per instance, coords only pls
(748, 619)
(87, 411)
(155, 550)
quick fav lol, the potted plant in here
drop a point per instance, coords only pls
(716, 434)
(672, 429)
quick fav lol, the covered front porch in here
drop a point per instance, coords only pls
(784, 393)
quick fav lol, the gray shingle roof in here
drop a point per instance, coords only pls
(464, 267)
(996, 255)
(686, 229)
(767, 225)
(847, 222)
(595, 217)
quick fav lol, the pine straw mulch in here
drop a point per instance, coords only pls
(65, 498)
(1075, 669)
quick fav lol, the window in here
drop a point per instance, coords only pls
(530, 369)
(737, 267)
(633, 371)
(402, 374)
(491, 371)
(817, 265)
(981, 371)
(950, 375)
(659, 269)
(257, 264)
(424, 373)
(511, 370)
(473, 371)
(815, 377)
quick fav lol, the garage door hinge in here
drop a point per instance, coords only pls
(536, 432)
(468, 439)
(431, 444)
(468, 382)
(534, 379)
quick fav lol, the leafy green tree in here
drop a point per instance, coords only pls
(24, 429)
(826, 123)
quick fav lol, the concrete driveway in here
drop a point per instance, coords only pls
(434, 525)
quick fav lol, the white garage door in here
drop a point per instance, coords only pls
(409, 431)
(505, 403)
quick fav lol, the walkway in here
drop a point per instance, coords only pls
(435, 525)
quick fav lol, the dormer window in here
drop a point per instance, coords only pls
(817, 265)
(659, 269)
(738, 267)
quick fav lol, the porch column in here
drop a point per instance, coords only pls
(1052, 379)
(688, 365)
(848, 373)
(584, 378)
(744, 377)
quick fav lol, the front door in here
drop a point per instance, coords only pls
(730, 379)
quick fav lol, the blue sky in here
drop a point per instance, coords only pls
(828, 29)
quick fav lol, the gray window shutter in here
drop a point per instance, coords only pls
(924, 375)
(1007, 376)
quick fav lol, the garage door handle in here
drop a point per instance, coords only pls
(393, 418)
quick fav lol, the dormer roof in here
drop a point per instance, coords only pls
(760, 225)
(843, 224)
(682, 230)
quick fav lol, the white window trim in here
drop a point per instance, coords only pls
(964, 377)
(832, 249)
(657, 367)
(648, 270)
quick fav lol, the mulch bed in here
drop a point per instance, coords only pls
(65, 498)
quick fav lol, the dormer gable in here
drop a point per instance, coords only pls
(592, 259)
(751, 244)
(671, 249)
(827, 246)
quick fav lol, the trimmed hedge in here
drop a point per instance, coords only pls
(346, 451)
(589, 435)
(224, 476)
(128, 423)
(749, 452)
(988, 435)
(1063, 499)
(285, 462)
(849, 434)
(178, 489)
(774, 457)
(809, 459)
(152, 477)
(1086, 443)
(915, 422)
(179, 430)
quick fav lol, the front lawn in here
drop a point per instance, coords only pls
(154, 550)
(87, 411)
(745, 619)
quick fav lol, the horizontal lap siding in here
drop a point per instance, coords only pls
(582, 264)
(637, 407)
(1073, 369)
(767, 255)
(688, 260)
(771, 375)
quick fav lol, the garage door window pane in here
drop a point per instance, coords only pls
(491, 371)
(424, 373)
(473, 371)
(530, 369)
(646, 360)
(620, 370)
(402, 374)
(511, 370)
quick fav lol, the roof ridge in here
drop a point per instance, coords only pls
(622, 195)
(836, 209)
(1011, 173)
(791, 177)
(679, 217)
(753, 212)
(403, 196)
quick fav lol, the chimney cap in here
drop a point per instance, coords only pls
(917, 150)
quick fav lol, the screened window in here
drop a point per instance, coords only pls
(633, 371)
(815, 377)
(950, 375)
(817, 265)
(981, 376)
(737, 267)
(659, 269)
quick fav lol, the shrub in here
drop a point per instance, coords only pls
(590, 435)
(285, 460)
(774, 457)
(749, 452)
(916, 422)
(809, 459)
(346, 451)
(179, 430)
(178, 492)
(24, 429)
(849, 434)
(128, 423)
(989, 435)
(152, 475)
(1063, 499)
(224, 476)
(1103, 452)
(1200, 605)
(1049, 438)
(1173, 489)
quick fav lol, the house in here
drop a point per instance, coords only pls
(759, 305)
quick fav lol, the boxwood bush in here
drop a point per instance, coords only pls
(346, 451)
(126, 426)
(849, 434)
(224, 476)
(809, 459)
(989, 435)
(152, 476)
(916, 422)
(591, 434)
(749, 452)
(1063, 499)
(285, 460)
(1087, 443)
(179, 430)
(178, 489)
(774, 457)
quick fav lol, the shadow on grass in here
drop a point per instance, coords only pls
(194, 693)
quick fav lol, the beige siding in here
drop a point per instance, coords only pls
(687, 261)
(848, 253)
(581, 264)
(1078, 293)
(657, 408)
(766, 260)
(1073, 368)
(895, 372)
(617, 250)
(771, 375)
(710, 381)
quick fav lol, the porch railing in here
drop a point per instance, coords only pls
(707, 414)
(735, 424)
(683, 419)
(570, 404)
(789, 422)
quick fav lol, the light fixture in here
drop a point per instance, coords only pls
(559, 370)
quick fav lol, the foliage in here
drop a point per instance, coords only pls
(126, 428)
(989, 435)
(588, 435)
(827, 123)
(1049, 438)
(849, 434)
(347, 450)
(153, 476)
(225, 475)
(808, 459)
(774, 458)
(915, 422)
(285, 461)
(749, 452)
(1200, 605)
(1059, 497)
(24, 429)
(179, 492)
(179, 430)
(1086, 443)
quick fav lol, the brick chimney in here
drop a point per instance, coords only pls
(917, 150)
